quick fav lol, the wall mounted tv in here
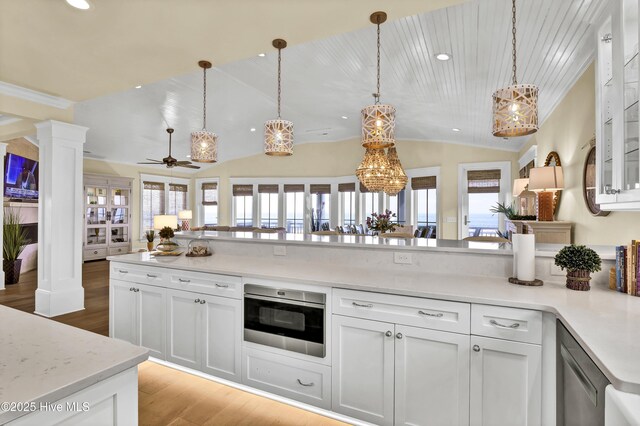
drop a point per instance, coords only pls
(20, 178)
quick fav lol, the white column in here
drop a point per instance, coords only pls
(60, 218)
(3, 151)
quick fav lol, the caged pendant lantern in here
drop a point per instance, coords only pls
(378, 120)
(373, 171)
(204, 144)
(278, 134)
(515, 108)
(397, 178)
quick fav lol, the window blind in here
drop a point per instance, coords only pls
(177, 198)
(364, 189)
(268, 189)
(294, 188)
(483, 181)
(210, 194)
(242, 190)
(423, 182)
(152, 202)
(524, 172)
(346, 187)
(320, 188)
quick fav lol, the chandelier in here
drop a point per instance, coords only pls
(378, 120)
(204, 144)
(373, 171)
(515, 108)
(397, 179)
(278, 134)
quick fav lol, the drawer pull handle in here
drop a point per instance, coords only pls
(151, 276)
(122, 271)
(497, 324)
(182, 280)
(359, 305)
(196, 301)
(429, 314)
(222, 285)
(305, 384)
(202, 302)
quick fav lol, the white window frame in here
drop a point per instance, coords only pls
(199, 210)
(166, 180)
(410, 209)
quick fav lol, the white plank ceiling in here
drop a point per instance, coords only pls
(327, 79)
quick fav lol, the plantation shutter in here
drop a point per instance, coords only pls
(423, 182)
(267, 189)
(346, 187)
(483, 181)
(294, 188)
(320, 189)
(242, 190)
(210, 194)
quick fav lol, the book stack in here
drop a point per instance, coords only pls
(628, 268)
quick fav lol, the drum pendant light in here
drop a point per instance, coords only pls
(204, 144)
(515, 108)
(378, 120)
(278, 134)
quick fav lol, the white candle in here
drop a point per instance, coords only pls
(514, 247)
(525, 256)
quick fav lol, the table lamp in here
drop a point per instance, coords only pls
(162, 220)
(185, 216)
(526, 198)
(546, 181)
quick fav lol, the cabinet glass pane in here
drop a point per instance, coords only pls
(631, 67)
(119, 215)
(607, 91)
(96, 195)
(120, 197)
(119, 234)
(96, 236)
(96, 215)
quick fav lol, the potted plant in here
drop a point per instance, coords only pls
(510, 212)
(580, 262)
(166, 244)
(15, 240)
(382, 222)
(150, 235)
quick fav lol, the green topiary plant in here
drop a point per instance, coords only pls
(166, 233)
(578, 258)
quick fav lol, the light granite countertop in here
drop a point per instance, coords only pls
(44, 361)
(605, 322)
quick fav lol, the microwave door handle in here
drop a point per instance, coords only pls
(589, 388)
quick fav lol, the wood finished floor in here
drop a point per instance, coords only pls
(166, 396)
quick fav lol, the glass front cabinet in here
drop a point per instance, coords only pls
(107, 216)
(617, 124)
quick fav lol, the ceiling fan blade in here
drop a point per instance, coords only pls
(182, 163)
(157, 161)
(154, 164)
(188, 166)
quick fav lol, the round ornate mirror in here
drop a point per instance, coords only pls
(553, 160)
(589, 184)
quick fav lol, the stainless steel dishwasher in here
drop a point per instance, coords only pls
(581, 384)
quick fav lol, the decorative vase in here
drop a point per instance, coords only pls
(579, 280)
(149, 245)
(11, 270)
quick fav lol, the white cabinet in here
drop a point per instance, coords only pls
(204, 333)
(424, 373)
(617, 124)
(505, 382)
(138, 315)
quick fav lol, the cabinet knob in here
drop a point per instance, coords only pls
(95, 252)
(196, 301)
(388, 334)
(476, 348)
(136, 290)
(130, 288)
(202, 302)
(399, 335)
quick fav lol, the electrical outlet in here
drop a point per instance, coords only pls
(556, 271)
(403, 258)
(279, 250)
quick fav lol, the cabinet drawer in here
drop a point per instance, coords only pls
(520, 325)
(415, 311)
(97, 253)
(214, 284)
(296, 379)
(138, 274)
(113, 251)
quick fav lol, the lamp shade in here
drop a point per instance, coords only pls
(185, 214)
(515, 111)
(548, 178)
(378, 126)
(519, 185)
(204, 147)
(162, 220)
(278, 138)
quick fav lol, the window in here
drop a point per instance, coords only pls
(347, 203)
(152, 203)
(425, 201)
(268, 206)
(483, 189)
(320, 206)
(210, 203)
(294, 208)
(243, 205)
(177, 198)
(370, 202)
(397, 205)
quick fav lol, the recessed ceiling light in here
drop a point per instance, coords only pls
(79, 4)
(262, 55)
(253, 129)
(138, 87)
(443, 56)
(455, 129)
(344, 117)
(188, 156)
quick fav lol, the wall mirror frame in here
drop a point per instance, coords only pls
(589, 182)
(553, 160)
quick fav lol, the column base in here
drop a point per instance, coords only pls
(53, 303)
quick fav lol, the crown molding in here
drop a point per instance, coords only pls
(5, 120)
(34, 96)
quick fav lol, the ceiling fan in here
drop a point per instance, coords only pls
(169, 160)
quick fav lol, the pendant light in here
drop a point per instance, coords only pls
(278, 134)
(378, 120)
(397, 179)
(515, 108)
(373, 172)
(204, 144)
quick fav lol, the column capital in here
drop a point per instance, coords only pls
(61, 130)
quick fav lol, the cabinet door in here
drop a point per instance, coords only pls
(151, 322)
(222, 327)
(122, 311)
(184, 328)
(362, 372)
(431, 377)
(505, 382)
